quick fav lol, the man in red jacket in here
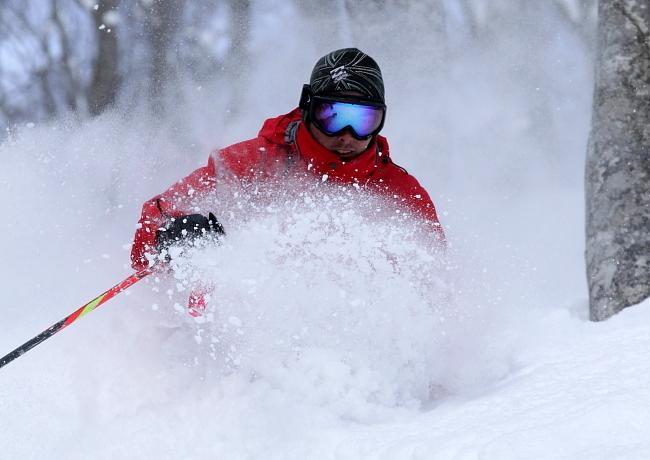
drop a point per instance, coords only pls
(333, 135)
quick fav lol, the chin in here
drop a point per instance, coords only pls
(347, 155)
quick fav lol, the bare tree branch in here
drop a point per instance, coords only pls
(42, 71)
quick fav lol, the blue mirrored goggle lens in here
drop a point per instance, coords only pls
(333, 116)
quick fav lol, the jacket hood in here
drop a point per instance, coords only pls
(274, 129)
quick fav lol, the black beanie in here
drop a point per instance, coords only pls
(348, 69)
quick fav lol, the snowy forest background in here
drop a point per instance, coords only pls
(105, 104)
(483, 95)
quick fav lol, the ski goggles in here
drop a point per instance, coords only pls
(334, 115)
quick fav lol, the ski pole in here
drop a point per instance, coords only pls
(68, 320)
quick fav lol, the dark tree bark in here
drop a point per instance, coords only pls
(71, 81)
(618, 161)
(105, 83)
(237, 62)
(163, 21)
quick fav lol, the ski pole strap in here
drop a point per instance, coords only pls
(68, 320)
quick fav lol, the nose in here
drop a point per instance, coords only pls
(346, 136)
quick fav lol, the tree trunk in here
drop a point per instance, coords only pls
(237, 66)
(618, 162)
(70, 80)
(105, 83)
(163, 22)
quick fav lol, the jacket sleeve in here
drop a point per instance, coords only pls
(175, 202)
(406, 189)
(418, 200)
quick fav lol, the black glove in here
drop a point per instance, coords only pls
(188, 229)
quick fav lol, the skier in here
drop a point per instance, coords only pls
(332, 134)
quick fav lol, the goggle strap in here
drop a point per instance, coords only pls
(305, 98)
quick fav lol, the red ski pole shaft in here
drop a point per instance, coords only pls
(68, 320)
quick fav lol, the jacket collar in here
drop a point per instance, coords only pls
(321, 161)
(326, 164)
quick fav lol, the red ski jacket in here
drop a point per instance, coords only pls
(283, 144)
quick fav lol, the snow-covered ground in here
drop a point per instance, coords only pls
(321, 359)
(326, 357)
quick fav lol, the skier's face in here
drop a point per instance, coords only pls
(344, 145)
